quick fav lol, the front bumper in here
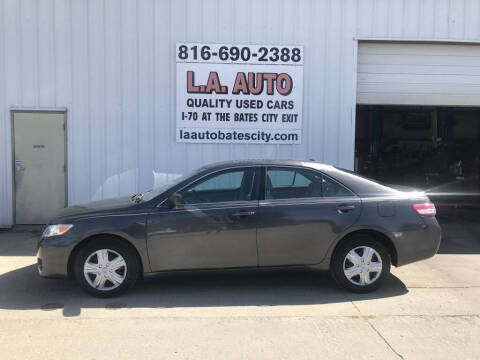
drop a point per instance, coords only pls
(52, 257)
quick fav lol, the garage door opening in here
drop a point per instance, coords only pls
(436, 149)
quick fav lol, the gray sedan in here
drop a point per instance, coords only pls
(243, 214)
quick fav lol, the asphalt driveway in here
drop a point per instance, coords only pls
(427, 310)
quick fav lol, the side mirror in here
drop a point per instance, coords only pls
(175, 201)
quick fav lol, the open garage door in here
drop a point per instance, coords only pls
(418, 74)
(418, 119)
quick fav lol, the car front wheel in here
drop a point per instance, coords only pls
(106, 268)
(361, 264)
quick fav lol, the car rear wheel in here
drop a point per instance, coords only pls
(106, 268)
(361, 264)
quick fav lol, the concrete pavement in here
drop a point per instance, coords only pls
(426, 310)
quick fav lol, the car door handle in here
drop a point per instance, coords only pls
(244, 213)
(343, 208)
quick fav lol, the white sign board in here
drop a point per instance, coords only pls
(249, 94)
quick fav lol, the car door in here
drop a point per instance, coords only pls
(300, 213)
(215, 228)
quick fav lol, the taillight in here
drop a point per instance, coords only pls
(425, 210)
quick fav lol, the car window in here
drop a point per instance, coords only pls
(230, 185)
(331, 188)
(301, 180)
(226, 181)
(285, 178)
(292, 183)
(282, 183)
(281, 178)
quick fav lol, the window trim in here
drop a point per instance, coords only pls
(308, 201)
(244, 204)
(264, 183)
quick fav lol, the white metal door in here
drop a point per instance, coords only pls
(418, 74)
(40, 175)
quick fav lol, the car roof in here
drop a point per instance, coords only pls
(269, 162)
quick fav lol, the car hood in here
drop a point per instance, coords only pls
(101, 207)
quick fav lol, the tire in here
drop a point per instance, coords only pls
(367, 279)
(114, 251)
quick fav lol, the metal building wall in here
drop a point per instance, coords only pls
(447, 20)
(111, 64)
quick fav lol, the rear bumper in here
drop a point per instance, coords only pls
(52, 259)
(418, 243)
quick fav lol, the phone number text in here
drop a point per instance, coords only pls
(233, 53)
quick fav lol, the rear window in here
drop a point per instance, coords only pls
(333, 189)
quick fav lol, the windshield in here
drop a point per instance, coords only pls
(150, 194)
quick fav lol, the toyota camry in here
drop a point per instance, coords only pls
(243, 214)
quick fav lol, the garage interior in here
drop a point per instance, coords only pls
(432, 148)
(418, 118)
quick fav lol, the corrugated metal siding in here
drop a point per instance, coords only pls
(455, 20)
(418, 74)
(111, 64)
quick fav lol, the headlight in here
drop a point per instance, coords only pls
(53, 230)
